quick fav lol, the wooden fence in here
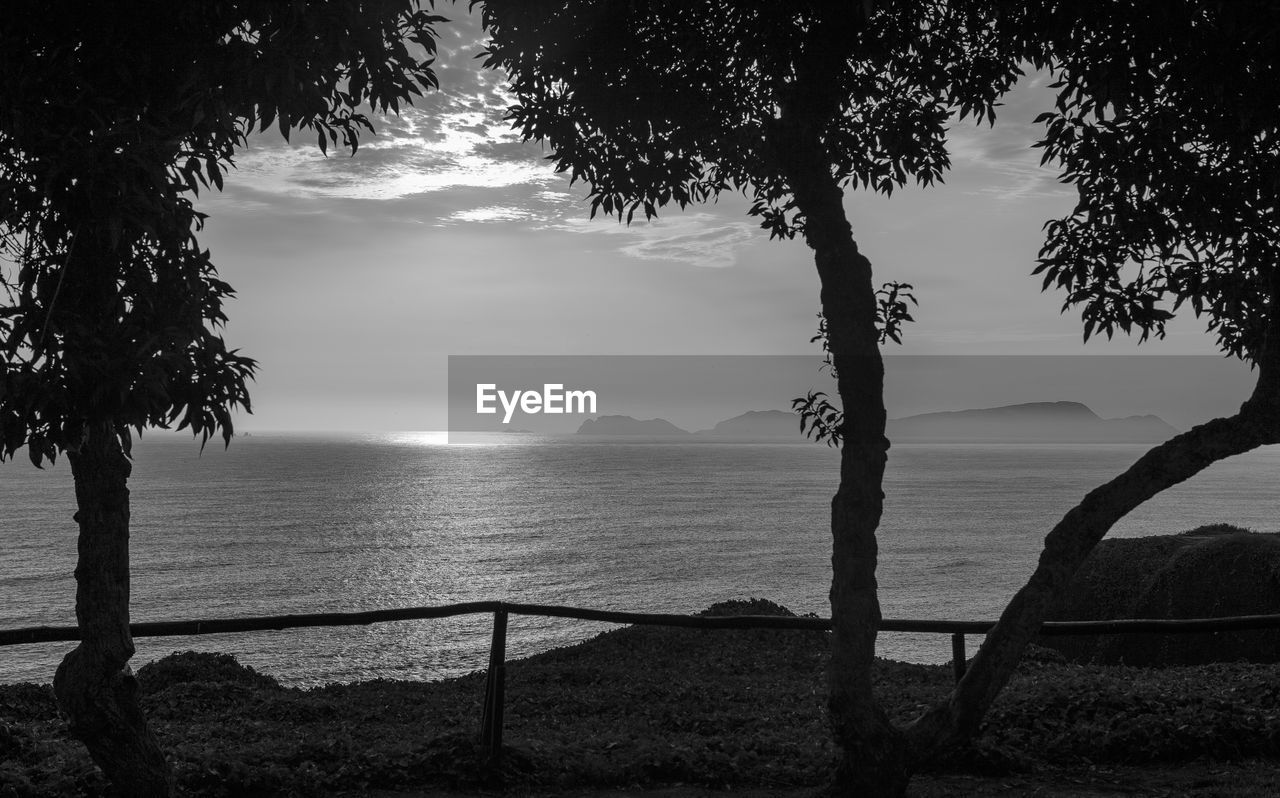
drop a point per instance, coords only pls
(495, 683)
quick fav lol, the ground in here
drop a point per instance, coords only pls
(1253, 779)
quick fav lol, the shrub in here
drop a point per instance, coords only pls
(200, 667)
(1213, 571)
(755, 606)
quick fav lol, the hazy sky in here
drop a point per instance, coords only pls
(445, 234)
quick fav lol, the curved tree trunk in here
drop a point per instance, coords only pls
(94, 686)
(1074, 537)
(873, 760)
(1066, 548)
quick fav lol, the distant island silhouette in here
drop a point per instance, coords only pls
(767, 424)
(1031, 422)
(626, 425)
(752, 425)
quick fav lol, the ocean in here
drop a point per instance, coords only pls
(294, 523)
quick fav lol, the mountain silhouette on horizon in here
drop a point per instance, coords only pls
(1029, 422)
(768, 424)
(626, 425)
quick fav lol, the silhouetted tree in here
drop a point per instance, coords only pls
(658, 102)
(111, 117)
(1166, 122)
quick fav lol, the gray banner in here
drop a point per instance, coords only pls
(712, 398)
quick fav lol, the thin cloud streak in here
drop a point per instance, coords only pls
(493, 213)
(700, 239)
(1003, 154)
(1011, 176)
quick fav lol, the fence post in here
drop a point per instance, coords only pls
(957, 655)
(494, 687)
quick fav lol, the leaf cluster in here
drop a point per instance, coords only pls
(1166, 122)
(112, 118)
(655, 102)
(820, 419)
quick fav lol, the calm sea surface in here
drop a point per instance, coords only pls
(292, 523)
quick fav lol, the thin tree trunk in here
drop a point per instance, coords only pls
(94, 686)
(873, 761)
(1074, 537)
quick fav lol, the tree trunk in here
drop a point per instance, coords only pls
(1074, 537)
(94, 686)
(873, 760)
(1066, 548)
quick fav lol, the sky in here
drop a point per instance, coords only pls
(447, 235)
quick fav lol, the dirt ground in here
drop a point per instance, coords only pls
(1255, 779)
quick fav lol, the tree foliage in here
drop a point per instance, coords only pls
(661, 102)
(1166, 121)
(703, 97)
(655, 102)
(112, 118)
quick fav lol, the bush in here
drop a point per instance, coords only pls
(755, 606)
(1214, 571)
(26, 701)
(202, 668)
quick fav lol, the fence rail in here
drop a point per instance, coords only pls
(491, 721)
(267, 623)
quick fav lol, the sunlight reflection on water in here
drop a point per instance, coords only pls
(285, 523)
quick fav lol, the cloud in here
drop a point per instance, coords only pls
(1003, 154)
(493, 213)
(701, 239)
(708, 239)
(1010, 176)
(453, 137)
(713, 248)
(529, 206)
(421, 153)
